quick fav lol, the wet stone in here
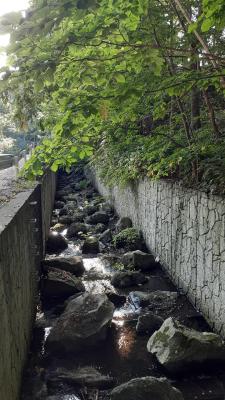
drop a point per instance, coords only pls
(75, 229)
(115, 298)
(106, 236)
(83, 324)
(148, 323)
(99, 217)
(123, 223)
(91, 245)
(123, 279)
(56, 243)
(140, 260)
(146, 388)
(74, 264)
(178, 348)
(60, 284)
(59, 204)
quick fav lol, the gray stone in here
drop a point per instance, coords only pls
(124, 223)
(83, 324)
(123, 279)
(99, 228)
(146, 388)
(140, 260)
(58, 227)
(59, 204)
(60, 284)
(85, 376)
(106, 236)
(90, 209)
(75, 229)
(99, 217)
(148, 323)
(91, 245)
(64, 397)
(115, 298)
(56, 243)
(177, 347)
(154, 298)
(74, 264)
(65, 219)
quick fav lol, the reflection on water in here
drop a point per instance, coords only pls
(126, 341)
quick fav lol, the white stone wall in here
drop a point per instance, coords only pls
(186, 229)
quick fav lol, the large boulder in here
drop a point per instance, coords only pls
(123, 279)
(148, 323)
(55, 243)
(91, 245)
(140, 260)
(75, 229)
(59, 204)
(85, 376)
(178, 348)
(74, 264)
(60, 284)
(90, 209)
(145, 388)
(83, 324)
(129, 239)
(99, 217)
(153, 299)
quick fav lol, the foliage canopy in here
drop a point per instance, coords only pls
(137, 85)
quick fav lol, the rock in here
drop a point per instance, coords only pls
(106, 236)
(56, 243)
(99, 228)
(115, 298)
(123, 223)
(78, 217)
(148, 323)
(76, 228)
(178, 348)
(74, 264)
(86, 376)
(154, 298)
(66, 219)
(140, 260)
(63, 397)
(146, 388)
(99, 217)
(83, 324)
(58, 227)
(59, 204)
(60, 284)
(91, 245)
(128, 239)
(90, 209)
(123, 279)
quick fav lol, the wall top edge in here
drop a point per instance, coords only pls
(11, 208)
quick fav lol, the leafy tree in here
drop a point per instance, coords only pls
(138, 85)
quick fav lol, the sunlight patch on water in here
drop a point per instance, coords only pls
(94, 264)
(126, 341)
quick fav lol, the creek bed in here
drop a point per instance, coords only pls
(123, 355)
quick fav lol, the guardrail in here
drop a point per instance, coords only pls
(9, 160)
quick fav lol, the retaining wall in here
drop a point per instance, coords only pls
(24, 222)
(186, 229)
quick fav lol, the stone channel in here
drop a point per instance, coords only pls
(110, 324)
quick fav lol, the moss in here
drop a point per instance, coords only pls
(128, 237)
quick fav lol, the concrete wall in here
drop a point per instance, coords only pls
(186, 229)
(22, 232)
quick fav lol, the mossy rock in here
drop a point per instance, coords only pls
(129, 239)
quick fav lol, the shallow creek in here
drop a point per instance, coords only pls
(123, 354)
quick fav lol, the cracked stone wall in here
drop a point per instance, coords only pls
(24, 222)
(186, 229)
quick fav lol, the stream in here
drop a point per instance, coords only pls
(123, 354)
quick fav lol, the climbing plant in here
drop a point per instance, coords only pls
(137, 86)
